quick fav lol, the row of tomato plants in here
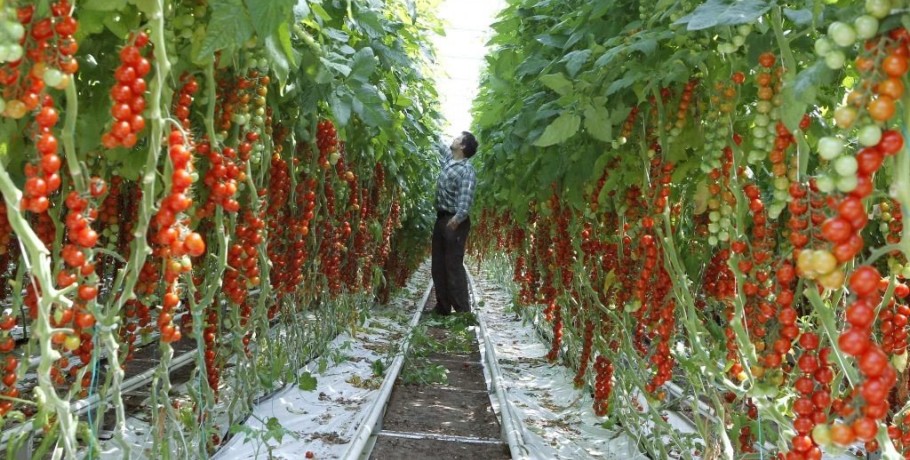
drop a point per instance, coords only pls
(741, 233)
(211, 174)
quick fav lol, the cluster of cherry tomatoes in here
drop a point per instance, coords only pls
(128, 95)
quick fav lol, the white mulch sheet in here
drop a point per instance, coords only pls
(322, 421)
(558, 419)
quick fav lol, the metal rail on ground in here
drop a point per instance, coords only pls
(510, 423)
(365, 438)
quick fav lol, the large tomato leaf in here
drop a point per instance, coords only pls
(369, 104)
(364, 64)
(597, 122)
(269, 15)
(724, 13)
(561, 129)
(341, 101)
(100, 5)
(575, 60)
(801, 91)
(123, 23)
(230, 26)
(557, 82)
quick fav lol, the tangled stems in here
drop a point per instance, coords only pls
(128, 277)
(901, 186)
(38, 257)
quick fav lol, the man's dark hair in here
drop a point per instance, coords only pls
(468, 144)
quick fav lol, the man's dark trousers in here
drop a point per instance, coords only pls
(449, 276)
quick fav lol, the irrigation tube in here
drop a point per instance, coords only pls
(358, 446)
(511, 425)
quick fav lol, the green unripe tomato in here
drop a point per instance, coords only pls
(830, 148)
(866, 27)
(821, 434)
(846, 165)
(869, 135)
(823, 46)
(846, 184)
(842, 34)
(15, 30)
(781, 183)
(878, 8)
(825, 184)
(52, 77)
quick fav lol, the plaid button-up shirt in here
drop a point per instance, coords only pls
(455, 185)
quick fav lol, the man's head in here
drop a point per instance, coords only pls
(466, 143)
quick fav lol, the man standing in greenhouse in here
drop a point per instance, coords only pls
(454, 195)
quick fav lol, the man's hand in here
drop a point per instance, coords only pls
(452, 224)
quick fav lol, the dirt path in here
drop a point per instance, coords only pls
(440, 406)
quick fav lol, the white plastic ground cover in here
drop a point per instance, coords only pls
(557, 420)
(322, 421)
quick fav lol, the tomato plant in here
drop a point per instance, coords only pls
(200, 174)
(782, 309)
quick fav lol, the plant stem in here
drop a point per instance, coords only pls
(38, 258)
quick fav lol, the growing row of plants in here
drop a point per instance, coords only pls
(239, 176)
(718, 193)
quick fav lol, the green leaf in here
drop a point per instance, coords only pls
(146, 6)
(608, 57)
(625, 82)
(337, 65)
(597, 123)
(560, 130)
(336, 35)
(284, 39)
(801, 92)
(799, 17)
(364, 65)
(268, 15)
(99, 5)
(307, 382)
(320, 11)
(230, 26)
(278, 59)
(557, 82)
(341, 103)
(403, 101)
(533, 65)
(549, 40)
(646, 46)
(122, 24)
(723, 13)
(369, 105)
(575, 60)
(90, 22)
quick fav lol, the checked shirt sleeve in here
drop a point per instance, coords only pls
(466, 186)
(445, 153)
